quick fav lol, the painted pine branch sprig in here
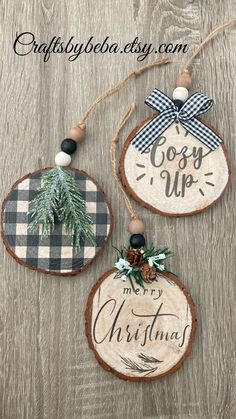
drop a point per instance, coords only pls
(141, 368)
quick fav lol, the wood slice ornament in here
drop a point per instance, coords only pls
(57, 220)
(175, 174)
(142, 334)
(53, 254)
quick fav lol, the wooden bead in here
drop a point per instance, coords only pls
(62, 159)
(178, 103)
(77, 133)
(137, 241)
(180, 93)
(68, 146)
(184, 80)
(136, 226)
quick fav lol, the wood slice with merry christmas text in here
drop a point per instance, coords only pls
(177, 175)
(142, 335)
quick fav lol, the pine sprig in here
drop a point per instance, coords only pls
(148, 359)
(59, 196)
(133, 366)
(153, 259)
(136, 274)
(45, 204)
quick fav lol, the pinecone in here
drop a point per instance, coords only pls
(148, 273)
(134, 257)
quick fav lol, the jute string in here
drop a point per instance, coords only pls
(208, 38)
(113, 149)
(136, 72)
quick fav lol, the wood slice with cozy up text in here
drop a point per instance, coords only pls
(177, 175)
(140, 335)
(53, 254)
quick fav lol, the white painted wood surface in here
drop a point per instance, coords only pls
(141, 334)
(177, 175)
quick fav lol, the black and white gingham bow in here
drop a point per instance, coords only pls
(193, 107)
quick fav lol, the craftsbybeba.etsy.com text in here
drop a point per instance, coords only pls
(26, 43)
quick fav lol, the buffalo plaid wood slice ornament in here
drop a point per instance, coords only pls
(53, 254)
(57, 220)
(142, 334)
(174, 163)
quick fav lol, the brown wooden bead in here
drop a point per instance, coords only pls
(184, 80)
(136, 226)
(77, 133)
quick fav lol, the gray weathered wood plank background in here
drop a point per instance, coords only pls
(47, 370)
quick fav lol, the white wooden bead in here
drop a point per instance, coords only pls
(62, 159)
(180, 93)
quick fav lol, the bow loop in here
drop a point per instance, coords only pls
(158, 101)
(196, 105)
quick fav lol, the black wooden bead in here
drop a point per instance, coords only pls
(68, 146)
(137, 240)
(178, 103)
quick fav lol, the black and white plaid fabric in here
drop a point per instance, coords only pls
(196, 105)
(52, 254)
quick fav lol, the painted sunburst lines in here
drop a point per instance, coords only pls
(142, 166)
(207, 183)
(178, 131)
(142, 175)
(151, 180)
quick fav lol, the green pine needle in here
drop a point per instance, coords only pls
(59, 196)
(134, 273)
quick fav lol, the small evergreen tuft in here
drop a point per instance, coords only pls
(59, 197)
